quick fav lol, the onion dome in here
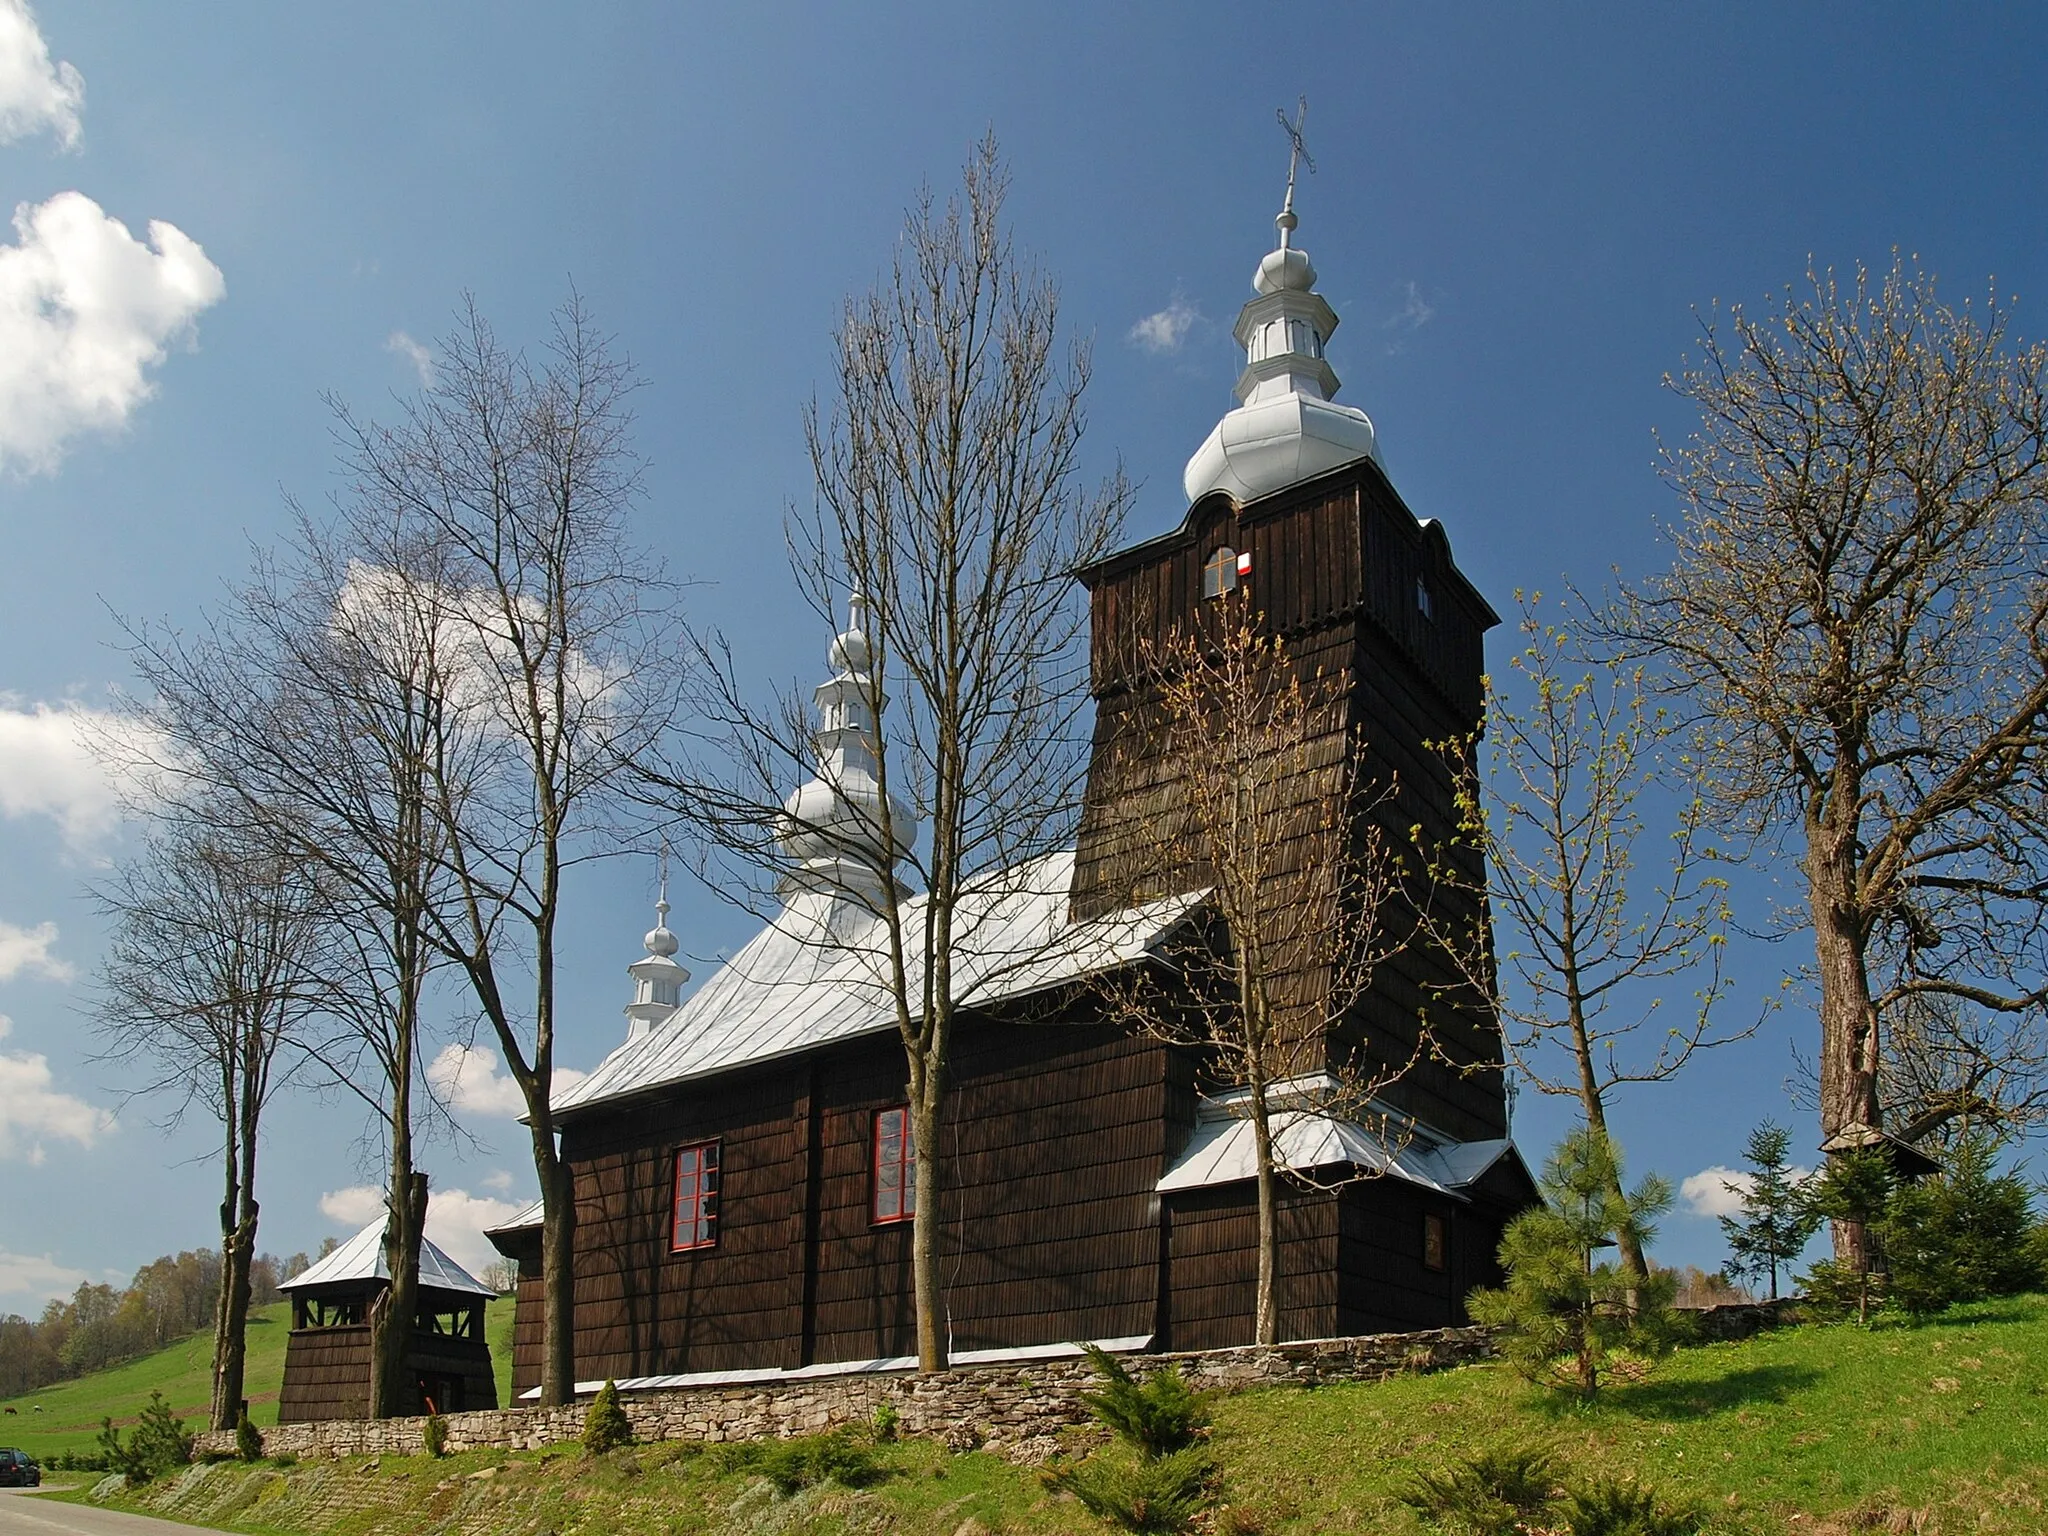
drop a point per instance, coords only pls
(842, 835)
(657, 980)
(1285, 427)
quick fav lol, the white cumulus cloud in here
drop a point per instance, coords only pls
(35, 1278)
(28, 949)
(402, 345)
(35, 93)
(86, 310)
(472, 1079)
(50, 766)
(33, 1112)
(456, 1219)
(1718, 1191)
(1164, 330)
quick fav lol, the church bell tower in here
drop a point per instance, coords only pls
(1291, 511)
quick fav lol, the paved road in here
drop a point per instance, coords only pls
(23, 1513)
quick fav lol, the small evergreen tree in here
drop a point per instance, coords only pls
(606, 1427)
(1961, 1234)
(1853, 1189)
(1777, 1219)
(1562, 1315)
(248, 1440)
(1165, 1478)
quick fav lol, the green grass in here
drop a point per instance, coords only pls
(183, 1372)
(1937, 1429)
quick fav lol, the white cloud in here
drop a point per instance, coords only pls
(86, 310)
(49, 765)
(502, 1181)
(35, 1277)
(422, 360)
(1164, 330)
(1718, 1191)
(33, 1111)
(456, 1219)
(1415, 311)
(28, 949)
(473, 1080)
(34, 93)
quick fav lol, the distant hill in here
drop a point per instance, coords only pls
(182, 1371)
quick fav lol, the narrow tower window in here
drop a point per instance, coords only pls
(1423, 604)
(895, 1165)
(1220, 574)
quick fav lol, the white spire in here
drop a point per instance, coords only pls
(1285, 427)
(833, 826)
(657, 980)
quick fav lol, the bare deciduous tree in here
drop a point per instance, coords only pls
(515, 482)
(1267, 781)
(306, 719)
(212, 975)
(1559, 819)
(1855, 616)
(948, 496)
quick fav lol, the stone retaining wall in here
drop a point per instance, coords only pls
(1012, 1409)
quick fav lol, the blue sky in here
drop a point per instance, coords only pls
(1517, 209)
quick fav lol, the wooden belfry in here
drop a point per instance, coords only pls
(327, 1360)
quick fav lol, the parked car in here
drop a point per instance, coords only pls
(18, 1469)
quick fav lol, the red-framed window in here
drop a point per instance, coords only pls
(695, 1223)
(895, 1165)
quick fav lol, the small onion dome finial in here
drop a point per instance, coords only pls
(850, 651)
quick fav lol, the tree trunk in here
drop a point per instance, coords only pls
(1848, 1016)
(1635, 1265)
(558, 1271)
(1266, 1314)
(394, 1313)
(932, 1350)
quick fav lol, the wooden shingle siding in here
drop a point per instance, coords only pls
(1055, 1134)
(1213, 1268)
(327, 1372)
(1335, 563)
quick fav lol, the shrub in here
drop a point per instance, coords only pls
(885, 1423)
(606, 1427)
(1157, 1418)
(1495, 1493)
(1561, 1315)
(1149, 1495)
(804, 1461)
(156, 1445)
(434, 1435)
(1959, 1235)
(248, 1440)
(1606, 1508)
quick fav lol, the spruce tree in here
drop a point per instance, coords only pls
(1777, 1221)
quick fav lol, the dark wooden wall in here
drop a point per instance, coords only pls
(327, 1372)
(1334, 568)
(1056, 1133)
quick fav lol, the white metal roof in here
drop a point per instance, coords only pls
(530, 1216)
(1223, 1150)
(818, 973)
(362, 1258)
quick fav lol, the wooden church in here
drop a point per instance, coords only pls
(742, 1162)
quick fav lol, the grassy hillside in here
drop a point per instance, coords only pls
(1936, 1429)
(72, 1410)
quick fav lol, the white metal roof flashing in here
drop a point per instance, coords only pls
(882, 1366)
(818, 973)
(362, 1258)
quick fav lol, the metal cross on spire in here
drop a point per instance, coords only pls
(1297, 146)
